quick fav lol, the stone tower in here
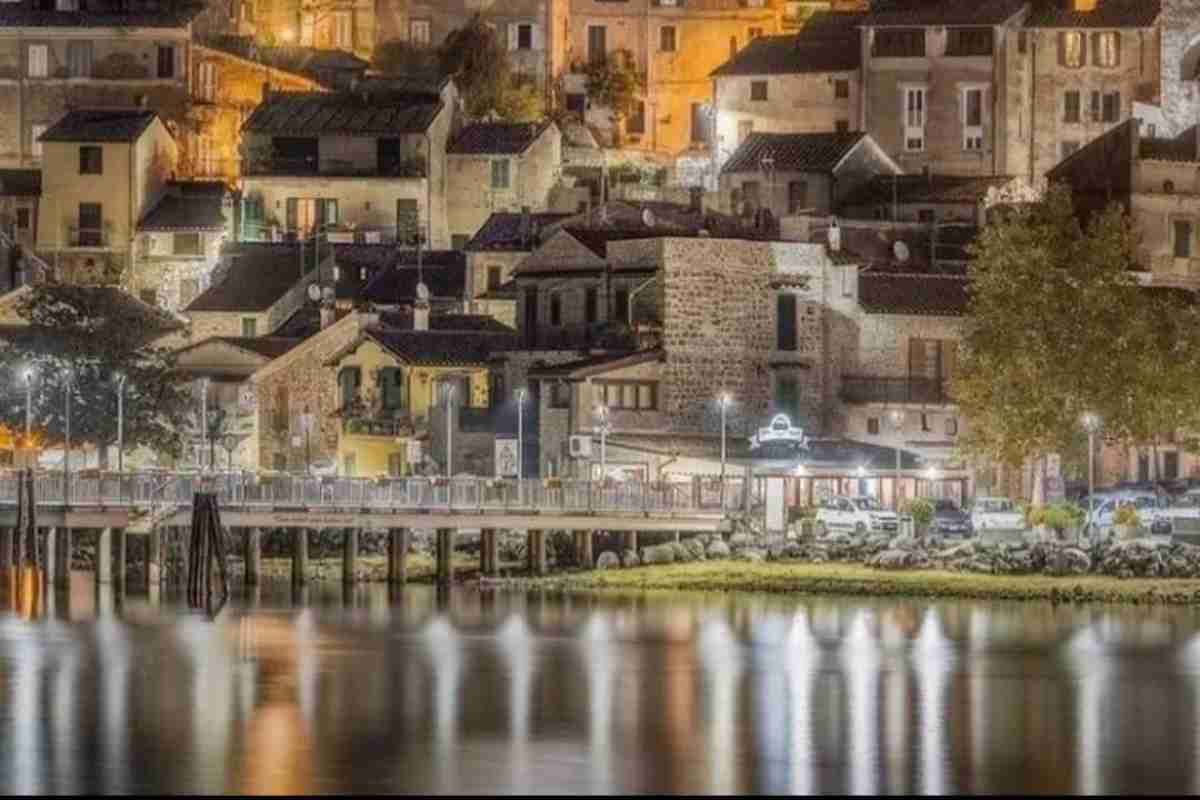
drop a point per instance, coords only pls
(1180, 25)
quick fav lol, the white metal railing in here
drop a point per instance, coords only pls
(253, 491)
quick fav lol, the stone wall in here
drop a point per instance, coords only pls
(1180, 56)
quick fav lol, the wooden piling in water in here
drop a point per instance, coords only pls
(299, 556)
(6, 548)
(537, 552)
(445, 555)
(62, 550)
(350, 556)
(102, 562)
(253, 557)
(120, 562)
(397, 547)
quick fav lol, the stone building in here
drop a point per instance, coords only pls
(805, 82)
(102, 171)
(371, 162)
(20, 191)
(1179, 26)
(347, 25)
(499, 166)
(493, 254)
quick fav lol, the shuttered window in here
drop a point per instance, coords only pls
(787, 394)
(1071, 48)
(591, 304)
(349, 379)
(785, 323)
(166, 61)
(79, 58)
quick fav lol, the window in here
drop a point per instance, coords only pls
(628, 395)
(23, 219)
(396, 464)
(969, 42)
(79, 58)
(188, 244)
(699, 124)
(787, 394)
(637, 118)
(1071, 106)
(343, 31)
(524, 36)
(576, 102)
(785, 323)
(39, 61)
(972, 119)
(418, 32)
(35, 144)
(408, 220)
(952, 426)
(597, 44)
(493, 278)
(500, 176)
(925, 427)
(206, 81)
(1022, 43)
(758, 90)
(249, 327)
(166, 61)
(560, 395)
(899, 43)
(279, 462)
(393, 388)
(841, 125)
(751, 196)
(841, 89)
(205, 163)
(1067, 148)
(458, 241)
(733, 48)
(925, 215)
(797, 196)
(754, 33)
(745, 128)
(914, 118)
(1106, 49)
(1170, 469)
(556, 310)
(872, 426)
(621, 305)
(1111, 108)
(1070, 49)
(591, 304)
(91, 160)
(1183, 238)
(349, 379)
(666, 38)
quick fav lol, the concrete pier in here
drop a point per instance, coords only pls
(49, 562)
(631, 540)
(489, 552)
(586, 541)
(350, 557)
(299, 556)
(397, 550)
(121, 560)
(152, 572)
(537, 552)
(6, 548)
(253, 556)
(62, 553)
(445, 554)
(102, 562)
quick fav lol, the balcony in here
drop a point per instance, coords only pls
(862, 390)
(411, 168)
(87, 238)
(386, 427)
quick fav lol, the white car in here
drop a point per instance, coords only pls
(858, 514)
(1146, 503)
(996, 513)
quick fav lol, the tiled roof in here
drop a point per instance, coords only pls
(349, 113)
(268, 347)
(1107, 14)
(1181, 148)
(259, 274)
(307, 61)
(793, 152)
(110, 311)
(459, 348)
(20, 182)
(596, 364)
(458, 323)
(897, 293)
(941, 12)
(398, 283)
(503, 231)
(188, 206)
(905, 189)
(100, 14)
(497, 138)
(790, 55)
(99, 125)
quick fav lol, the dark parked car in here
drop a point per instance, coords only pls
(949, 519)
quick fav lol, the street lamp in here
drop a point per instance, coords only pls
(520, 395)
(230, 442)
(28, 405)
(932, 474)
(896, 419)
(203, 419)
(449, 430)
(724, 401)
(120, 379)
(1091, 424)
(306, 425)
(603, 427)
(67, 444)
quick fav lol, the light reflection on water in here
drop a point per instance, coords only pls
(421, 691)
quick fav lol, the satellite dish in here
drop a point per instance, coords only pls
(422, 291)
(648, 218)
(900, 251)
(314, 292)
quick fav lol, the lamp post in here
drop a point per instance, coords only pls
(28, 405)
(67, 444)
(120, 379)
(230, 443)
(724, 401)
(520, 395)
(896, 418)
(932, 475)
(203, 419)
(449, 430)
(306, 425)
(604, 427)
(1091, 424)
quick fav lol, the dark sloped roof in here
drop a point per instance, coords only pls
(188, 206)
(442, 348)
(259, 274)
(792, 55)
(316, 113)
(307, 61)
(892, 293)
(1180, 148)
(497, 138)
(20, 182)
(1107, 14)
(793, 152)
(100, 125)
(103, 15)
(460, 323)
(942, 12)
(503, 231)
(398, 283)
(268, 347)
(596, 364)
(932, 188)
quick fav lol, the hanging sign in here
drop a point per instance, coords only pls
(506, 458)
(780, 438)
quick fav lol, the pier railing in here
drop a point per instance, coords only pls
(467, 494)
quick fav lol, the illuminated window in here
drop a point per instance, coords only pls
(1071, 49)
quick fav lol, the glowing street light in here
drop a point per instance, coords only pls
(28, 375)
(895, 417)
(604, 427)
(724, 401)
(1091, 423)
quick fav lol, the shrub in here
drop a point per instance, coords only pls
(1057, 516)
(921, 511)
(1126, 514)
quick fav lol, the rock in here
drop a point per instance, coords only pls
(892, 559)
(793, 550)
(629, 558)
(608, 560)
(964, 550)
(752, 554)
(694, 548)
(718, 549)
(681, 552)
(740, 540)
(838, 539)
(658, 554)
(1067, 561)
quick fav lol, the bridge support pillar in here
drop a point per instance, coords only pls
(350, 557)
(103, 559)
(489, 552)
(537, 552)
(586, 541)
(62, 552)
(121, 561)
(445, 555)
(49, 562)
(6, 548)
(299, 556)
(397, 547)
(152, 572)
(631, 540)
(253, 556)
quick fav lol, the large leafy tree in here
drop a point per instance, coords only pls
(478, 61)
(86, 338)
(1060, 326)
(615, 83)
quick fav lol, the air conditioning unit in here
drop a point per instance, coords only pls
(581, 446)
(339, 237)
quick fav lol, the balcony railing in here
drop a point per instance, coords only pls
(378, 426)
(86, 237)
(336, 168)
(894, 390)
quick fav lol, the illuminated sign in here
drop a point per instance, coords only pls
(779, 439)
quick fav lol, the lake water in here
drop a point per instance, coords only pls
(416, 691)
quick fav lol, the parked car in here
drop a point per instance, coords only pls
(996, 513)
(858, 514)
(1146, 503)
(1182, 515)
(949, 519)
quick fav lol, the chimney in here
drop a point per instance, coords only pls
(696, 199)
(835, 236)
(421, 309)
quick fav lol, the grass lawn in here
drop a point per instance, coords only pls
(849, 579)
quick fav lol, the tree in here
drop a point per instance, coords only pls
(1059, 326)
(615, 83)
(398, 57)
(93, 335)
(478, 61)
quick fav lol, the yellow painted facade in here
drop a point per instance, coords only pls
(369, 447)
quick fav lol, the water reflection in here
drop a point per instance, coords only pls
(421, 691)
